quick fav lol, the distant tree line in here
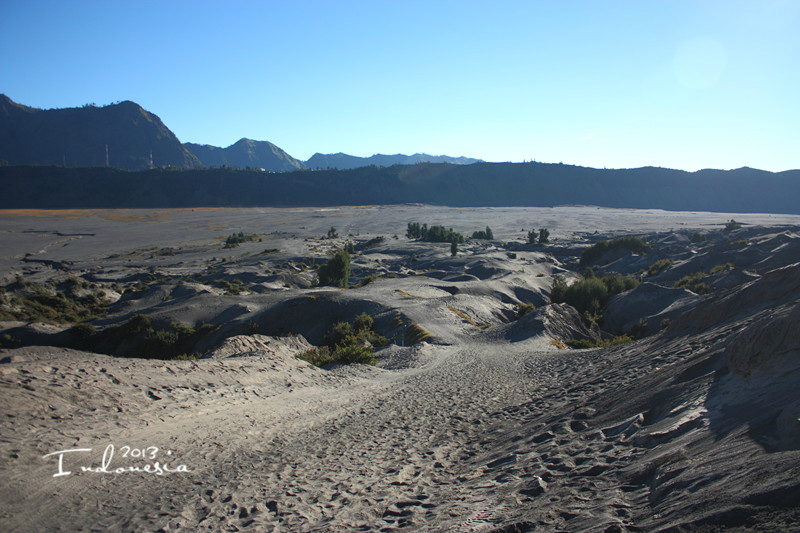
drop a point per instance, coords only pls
(433, 233)
(484, 234)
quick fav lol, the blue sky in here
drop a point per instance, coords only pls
(680, 84)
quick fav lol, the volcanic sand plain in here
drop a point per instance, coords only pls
(490, 423)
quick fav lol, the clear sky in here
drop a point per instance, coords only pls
(680, 84)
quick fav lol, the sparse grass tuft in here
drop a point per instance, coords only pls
(463, 316)
(524, 309)
(694, 282)
(721, 268)
(415, 334)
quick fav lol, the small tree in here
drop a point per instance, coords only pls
(732, 225)
(336, 271)
(544, 236)
(532, 236)
(332, 233)
(453, 248)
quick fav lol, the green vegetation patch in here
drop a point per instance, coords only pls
(583, 344)
(233, 287)
(141, 337)
(486, 234)
(591, 293)
(543, 237)
(235, 239)
(69, 303)
(732, 225)
(432, 234)
(523, 309)
(694, 282)
(348, 344)
(721, 268)
(600, 248)
(659, 266)
(336, 271)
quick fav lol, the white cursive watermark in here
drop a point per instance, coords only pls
(148, 454)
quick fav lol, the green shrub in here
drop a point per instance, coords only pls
(235, 239)
(590, 294)
(721, 268)
(659, 266)
(140, 337)
(484, 234)
(580, 344)
(336, 271)
(732, 225)
(454, 248)
(363, 322)
(44, 303)
(694, 282)
(698, 237)
(319, 356)
(233, 287)
(583, 344)
(524, 309)
(348, 343)
(600, 248)
(354, 354)
(366, 280)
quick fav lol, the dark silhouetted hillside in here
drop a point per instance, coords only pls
(77, 137)
(342, 161)
(481, 184)
(245, 153)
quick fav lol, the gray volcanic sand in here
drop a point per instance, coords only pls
(489, 425)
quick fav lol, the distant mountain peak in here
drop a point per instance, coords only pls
(246, 153)
(345, 161)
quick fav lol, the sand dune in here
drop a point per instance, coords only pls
(491, 424)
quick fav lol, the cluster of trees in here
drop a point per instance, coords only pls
(486, 234)
(433, 234)
(543, 237)
(591, 294)
(235, 239)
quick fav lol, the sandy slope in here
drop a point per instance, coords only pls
(696, 427)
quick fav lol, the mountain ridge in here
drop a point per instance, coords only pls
(342, 161)
(476, 185)
(78, 137)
